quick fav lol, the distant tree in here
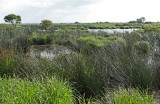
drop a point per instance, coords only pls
(76, 22)
(13, 19)
(46, 24)
(141, 20)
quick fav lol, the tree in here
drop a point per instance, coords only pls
(46, 24)
(141, 20)
(76, 22)
(13, 19)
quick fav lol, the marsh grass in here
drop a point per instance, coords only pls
(129, 96)
(84, 77)
(50, 91)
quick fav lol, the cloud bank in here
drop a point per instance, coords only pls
(33, 11)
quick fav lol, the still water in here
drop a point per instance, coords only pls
(48, 51)
(111, 31)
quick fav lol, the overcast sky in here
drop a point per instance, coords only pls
(64, 11)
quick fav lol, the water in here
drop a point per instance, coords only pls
(111, 31)
(48, 51)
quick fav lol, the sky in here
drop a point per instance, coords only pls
(70, 11)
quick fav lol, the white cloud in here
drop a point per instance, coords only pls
(124, 10)
(81, 10)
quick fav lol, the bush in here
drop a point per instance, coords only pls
(93, 43)
(60, 37)
(41, 39)
(142, 47)
(151, 28)
(38, 41)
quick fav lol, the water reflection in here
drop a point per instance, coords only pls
(48, 51)
(111, 31)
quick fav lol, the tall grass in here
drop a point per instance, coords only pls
(129, 96)
(50, 91)
(79, 72)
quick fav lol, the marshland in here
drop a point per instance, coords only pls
(68, 63)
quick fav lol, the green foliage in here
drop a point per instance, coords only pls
(62, 36)
(76, 22)
(50, 91)
(81, 72)
(92, 41)
(96, 42)
(142, 47)
(141, 20)
(46, 24)
(12, 18)
(134, 72)
(131, 96)
(151, 28)
(41, 39)
(8, 63)
(22, 43)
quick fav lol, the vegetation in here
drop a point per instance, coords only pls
(142, 47)
(13, 19)
(141, 20)
(91, 72)
(131, 96)
(46, 24)
(50, 91)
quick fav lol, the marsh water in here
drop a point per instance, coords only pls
(48, 51)
(111, 31)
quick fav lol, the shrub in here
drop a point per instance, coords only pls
(152, 28)
(60, 37)
(46, 24)
(91, 43)
(142, 47)
(38, 41)
(41, 39)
